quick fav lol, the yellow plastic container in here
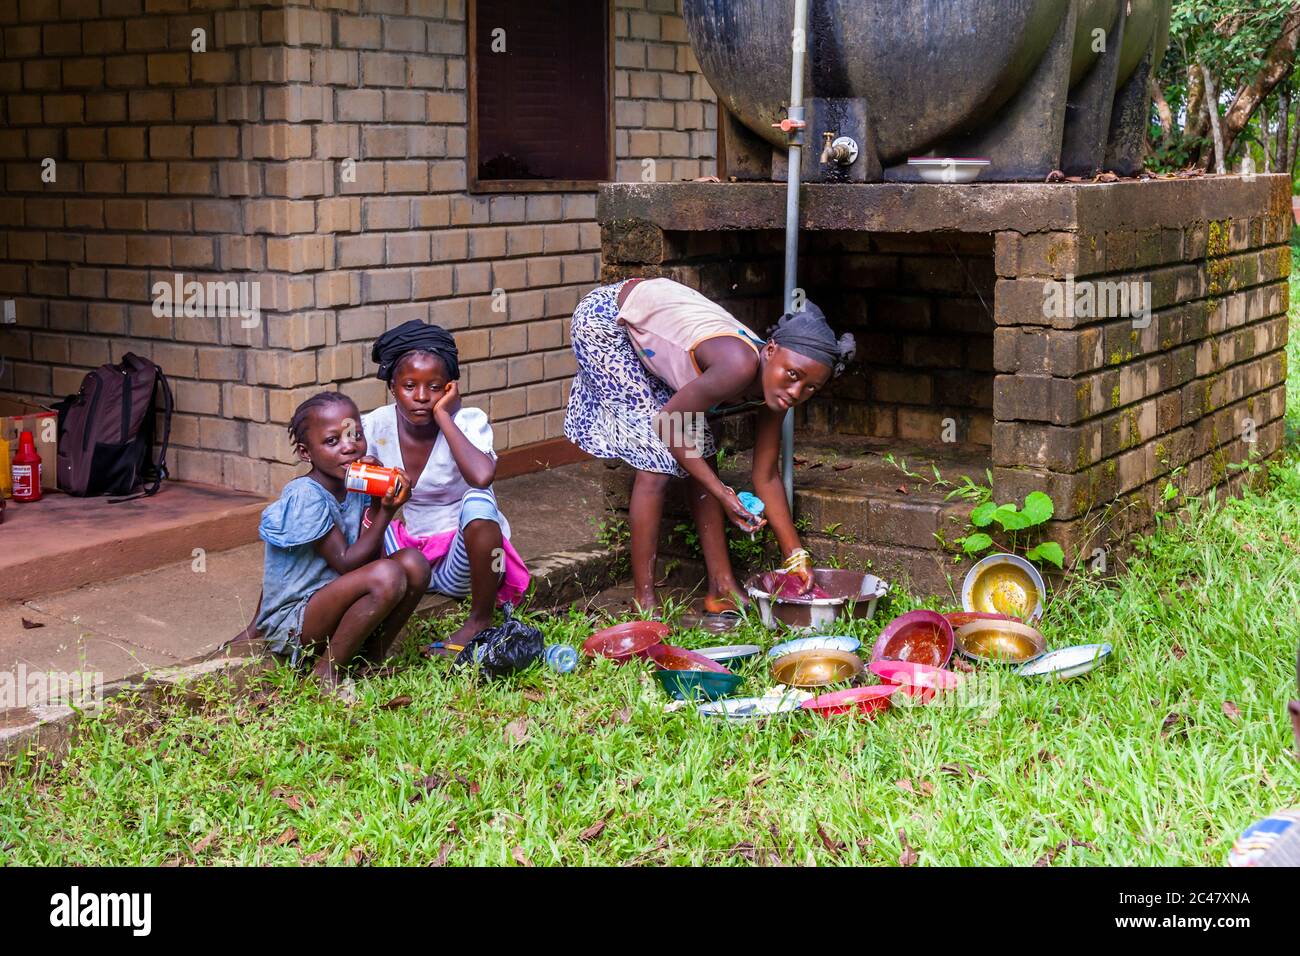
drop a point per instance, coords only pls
(6, 476)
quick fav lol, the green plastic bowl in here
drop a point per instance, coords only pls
(698, 685)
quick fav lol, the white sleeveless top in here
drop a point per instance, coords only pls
(434, 507)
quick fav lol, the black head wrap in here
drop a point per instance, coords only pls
(414, 336)
(808, 333)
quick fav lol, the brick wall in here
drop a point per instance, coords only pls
(229, 164)
(1104, 415)
(921, 309)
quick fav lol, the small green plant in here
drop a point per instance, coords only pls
(1038, 508)
(611, 533)
(689, 536)
(747, 551)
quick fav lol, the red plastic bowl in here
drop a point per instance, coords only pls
(625, 641)
(916, 680)
(922, 637)
(670, 658)
(868, 700)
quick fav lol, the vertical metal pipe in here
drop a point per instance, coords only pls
(799, 43)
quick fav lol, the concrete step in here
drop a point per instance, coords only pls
(62, 542)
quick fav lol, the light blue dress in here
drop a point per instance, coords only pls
(304, 513)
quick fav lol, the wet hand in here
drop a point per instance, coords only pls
(798, 567)
(739, 515)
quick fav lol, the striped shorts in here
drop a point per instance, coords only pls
(450, 573)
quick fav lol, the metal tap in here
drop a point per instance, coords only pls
(842, 150)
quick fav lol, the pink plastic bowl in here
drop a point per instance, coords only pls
(868, 700)
(920, 637)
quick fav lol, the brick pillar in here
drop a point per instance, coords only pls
(1109, 413)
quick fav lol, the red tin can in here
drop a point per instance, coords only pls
(371, 480)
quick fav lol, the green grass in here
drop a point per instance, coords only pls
(1161, 757)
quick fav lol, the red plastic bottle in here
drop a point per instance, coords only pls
(26, 469)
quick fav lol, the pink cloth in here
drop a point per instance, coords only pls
(436, 546)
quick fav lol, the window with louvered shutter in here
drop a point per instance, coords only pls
(542, 105)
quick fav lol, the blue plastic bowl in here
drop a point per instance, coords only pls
(698, 685)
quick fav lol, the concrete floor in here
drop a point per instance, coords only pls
(188, 607)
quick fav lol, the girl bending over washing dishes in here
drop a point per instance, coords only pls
(327, 590)
(653, 357)
(452, 516)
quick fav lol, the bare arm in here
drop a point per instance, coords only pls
(341, 556)
(477, 467)
(729, 365)
(767, 480)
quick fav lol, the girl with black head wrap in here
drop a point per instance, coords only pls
(446, 448)
(653, 358)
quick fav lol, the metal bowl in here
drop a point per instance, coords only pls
(867, 700)
(923, 637)
(851, 594)
(698, 685)
(624, 641)
(816, 668)
(962, 618)
(1000, 642)
(670, 658)
(1004, 584)
(731, 655)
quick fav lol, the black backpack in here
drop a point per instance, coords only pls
(106, 431)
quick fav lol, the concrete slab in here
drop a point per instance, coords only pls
(907, 207)
(62, 541)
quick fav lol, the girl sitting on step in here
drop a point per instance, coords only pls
(327, 588)
(452, 517)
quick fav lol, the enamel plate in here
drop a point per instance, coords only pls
(823, 642)
(750, 708)
(1066, 662)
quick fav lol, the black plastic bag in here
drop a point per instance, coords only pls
(498, 651)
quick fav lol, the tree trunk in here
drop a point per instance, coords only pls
(1266, 137)
(1293, 151)
(1216, 125)
(1195, 125)
(1278, 63)
(1281, 156)
(1166, 114)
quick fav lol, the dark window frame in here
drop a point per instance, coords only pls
(476, 185)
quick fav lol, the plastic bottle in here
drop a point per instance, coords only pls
(6, 477)
(561, 658)
(26, 470)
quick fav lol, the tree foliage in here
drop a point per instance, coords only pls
(1248, 49)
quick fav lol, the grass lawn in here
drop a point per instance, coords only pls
(1161, 757)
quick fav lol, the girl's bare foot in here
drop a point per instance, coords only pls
(333, 684)
(467, 631)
